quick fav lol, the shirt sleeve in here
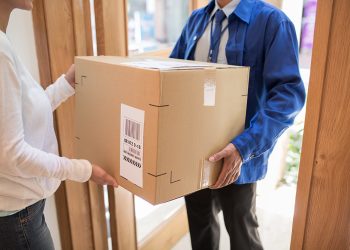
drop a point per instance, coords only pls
(59, 92)
(17, 157)
(179, 49)
(284, 96)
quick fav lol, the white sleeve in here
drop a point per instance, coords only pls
(17, 157)
(59, 91)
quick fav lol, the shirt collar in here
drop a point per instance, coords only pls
(243, 10)
(228, 9)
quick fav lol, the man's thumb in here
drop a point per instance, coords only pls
(218, 156)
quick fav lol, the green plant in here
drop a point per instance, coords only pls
(293, 156)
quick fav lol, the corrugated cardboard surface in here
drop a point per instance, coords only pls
(180, 133)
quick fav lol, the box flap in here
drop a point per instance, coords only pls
(164, 64)
(156, 63)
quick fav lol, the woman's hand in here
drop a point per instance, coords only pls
(100, 176)
(70, 75)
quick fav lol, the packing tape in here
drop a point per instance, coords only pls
(209, 173)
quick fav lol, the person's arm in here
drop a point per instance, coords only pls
(179, 49)
(17, 157)
(284, 98)
(62, 89)
(285, 94)
(57, 93)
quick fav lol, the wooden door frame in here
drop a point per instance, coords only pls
(313, 112)
(322, 208)
(61, 32)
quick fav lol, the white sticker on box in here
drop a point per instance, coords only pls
(131, 144)
(209, 93)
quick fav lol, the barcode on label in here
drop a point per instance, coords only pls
(132, 129)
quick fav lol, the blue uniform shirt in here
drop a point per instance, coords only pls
(263, 38)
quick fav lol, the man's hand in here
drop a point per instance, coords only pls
(70, 75)
(231, 168)
(100, 176)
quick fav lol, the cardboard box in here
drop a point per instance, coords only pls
(153, 123)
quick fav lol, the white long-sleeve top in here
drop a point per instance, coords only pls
(30, 168)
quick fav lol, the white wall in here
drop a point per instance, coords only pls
(20, 33)
(294, 10)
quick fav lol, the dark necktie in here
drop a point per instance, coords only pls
(216, 36)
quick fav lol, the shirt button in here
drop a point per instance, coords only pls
(194, 38)
(251, 156)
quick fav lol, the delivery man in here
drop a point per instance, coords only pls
(255, 34)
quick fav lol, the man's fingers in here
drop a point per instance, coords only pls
(226, 177)
(229, 179)
(232, 178)
(223, 183)
(227, 151)
(222, 177)
(231, 168)
(218, 156)
(220, 180)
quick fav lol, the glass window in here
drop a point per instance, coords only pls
(155, 24)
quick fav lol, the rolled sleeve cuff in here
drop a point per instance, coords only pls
(245, 144)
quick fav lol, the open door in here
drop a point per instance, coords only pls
(322, 210)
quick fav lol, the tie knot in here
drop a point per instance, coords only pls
(219, 16)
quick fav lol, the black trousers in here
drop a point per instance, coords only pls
(238, 205)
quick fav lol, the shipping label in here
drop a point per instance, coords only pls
(131, 144)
